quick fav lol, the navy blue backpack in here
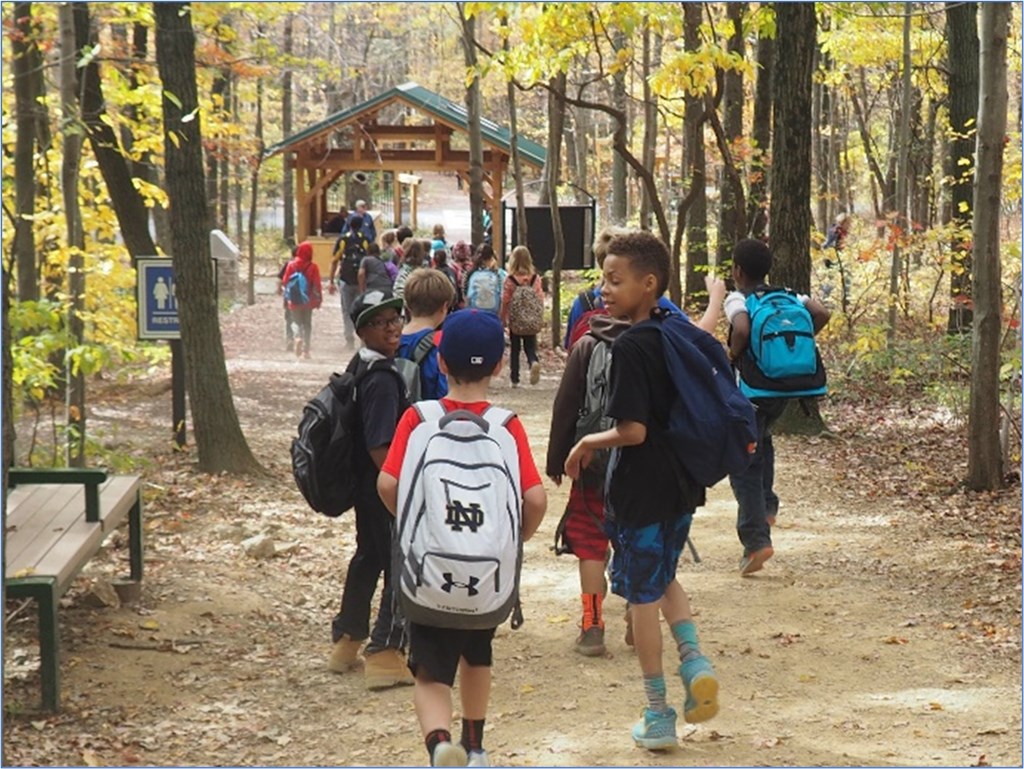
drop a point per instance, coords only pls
(711, 427)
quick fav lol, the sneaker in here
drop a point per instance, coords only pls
(388, 668)
(629, 626)
(751, 562)
(344, 655)
(701, 689)
(591, 642)
(298, 347)
(478, 758)
(535, 372)
(448, 754)
(515, 384)
(656, 731)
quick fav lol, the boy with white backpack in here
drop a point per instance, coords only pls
(462, 483)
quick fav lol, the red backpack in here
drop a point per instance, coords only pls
(582, 325)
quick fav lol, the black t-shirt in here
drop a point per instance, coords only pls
(647, 484)
(382, 402)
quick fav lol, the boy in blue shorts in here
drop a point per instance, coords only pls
(648, 507)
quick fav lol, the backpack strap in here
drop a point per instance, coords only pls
(423, 348)
(429, 410)
(496, 415)
(587, 297)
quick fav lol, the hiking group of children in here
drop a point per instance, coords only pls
(359, 264)
(448, 489)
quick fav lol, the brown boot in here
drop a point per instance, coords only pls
(387, 668)
(344, 655)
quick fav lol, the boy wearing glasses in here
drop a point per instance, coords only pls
(382, 399)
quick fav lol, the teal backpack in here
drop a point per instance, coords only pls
(782, 360)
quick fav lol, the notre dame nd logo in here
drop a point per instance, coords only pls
(460, 516)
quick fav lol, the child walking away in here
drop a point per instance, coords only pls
(428, 293)
(301, 286)
(484, 282)
(289, 334)
(650, 500)
(381, 398)
(771, 342)
(461, 518)
(579, 410)
(522, 312)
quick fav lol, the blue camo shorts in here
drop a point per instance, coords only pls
(645, 557)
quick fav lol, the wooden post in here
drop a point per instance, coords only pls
(414, 194)
(396, 216)
(497, 219)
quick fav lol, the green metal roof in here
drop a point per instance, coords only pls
(425, 101)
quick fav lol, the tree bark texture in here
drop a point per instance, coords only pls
(132, 214)
(70, 165)
(984, 459)
(619, 102)
(899, 221)
(697, 218)
(288, 185)
(556, 125)
(517, 163)
(26, 59)
(964, 52)
(731, 224)
(476, 147)
(219, 440)
(761, 133)
(790, 215)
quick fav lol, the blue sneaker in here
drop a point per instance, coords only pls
(701, 689)
(656, 731)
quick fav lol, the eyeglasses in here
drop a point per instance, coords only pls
(395, 322)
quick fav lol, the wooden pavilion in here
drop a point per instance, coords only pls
(403, 130)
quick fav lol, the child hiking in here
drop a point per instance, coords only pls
(302, 291)
(522, 312)
(382, 399)
(477, 508)
(649, 503)
(757, 503)
(428, 293)
(578, 410)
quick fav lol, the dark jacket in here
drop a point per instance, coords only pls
(572, 390)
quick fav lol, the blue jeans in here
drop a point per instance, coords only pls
(755, 498)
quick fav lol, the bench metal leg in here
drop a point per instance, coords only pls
(43, 590)
(135, 538)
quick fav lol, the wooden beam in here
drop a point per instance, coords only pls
(396, 217)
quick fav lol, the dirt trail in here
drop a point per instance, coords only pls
(844, 651)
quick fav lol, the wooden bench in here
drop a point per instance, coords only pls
(56, 520)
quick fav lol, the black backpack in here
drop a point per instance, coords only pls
(323, 452)
(352, 247)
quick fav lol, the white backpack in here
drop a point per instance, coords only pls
(458, 544)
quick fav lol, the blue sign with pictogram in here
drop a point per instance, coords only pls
(156, 294)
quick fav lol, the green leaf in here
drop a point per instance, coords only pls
(172, 99)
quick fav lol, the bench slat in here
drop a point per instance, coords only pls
(70, 553)
(117, 497)
(59, 507)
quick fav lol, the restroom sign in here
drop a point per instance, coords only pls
(157, 298)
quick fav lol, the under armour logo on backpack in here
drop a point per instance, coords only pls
(469, 587)
(459, 515)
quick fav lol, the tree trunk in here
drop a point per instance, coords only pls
(556, 124)
(26, 58)
(619, 102)
(288, 186)
(899, 221)
(731, 224)
(254, 191)
(790, 214)
(7, 363)
(219, 438)
(476, 151)
(517, 164)
(651, 60)
(69, 174)
(697, 219)
(984, 458)
(132, 214)
(963, 57)
(761, 133)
